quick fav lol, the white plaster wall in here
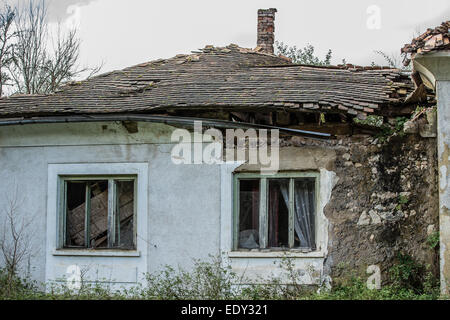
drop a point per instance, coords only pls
(183, 200)
(434, 68)
(443, 94)
(104, 266)
(189, 206)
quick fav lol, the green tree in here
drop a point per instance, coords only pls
(302, 55)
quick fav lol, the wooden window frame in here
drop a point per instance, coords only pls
(263, 207)
(112, 209)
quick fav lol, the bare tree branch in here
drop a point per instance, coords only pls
(16, 245)
(7, 15)
(40, 62)
(393, 60)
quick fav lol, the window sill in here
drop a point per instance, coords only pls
(97, 253)
(275, 254)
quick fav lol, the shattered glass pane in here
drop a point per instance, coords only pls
(125, 216)
(102, 233)
(98, 235)
(279, 213)
(75, 218)
(249, 214)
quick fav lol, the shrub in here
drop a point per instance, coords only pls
(12, 287)
(207, 280)
(407, 274)
(211, 280)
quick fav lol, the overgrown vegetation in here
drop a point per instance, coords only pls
(408, 275)
(210, 280)
(372, 121)
(387, 130)
(433, 240)
(402, 200)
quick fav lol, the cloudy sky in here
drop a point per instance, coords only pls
(127, 32)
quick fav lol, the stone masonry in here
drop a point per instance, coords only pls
(266, 29)
(384, 204)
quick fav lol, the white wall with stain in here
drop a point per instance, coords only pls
(188, 207)
(434, 68)
(183, 200)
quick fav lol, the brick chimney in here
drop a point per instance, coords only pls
(266, 29)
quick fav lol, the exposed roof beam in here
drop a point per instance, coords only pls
(188, 121)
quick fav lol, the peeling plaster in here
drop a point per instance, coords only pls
(435, 67)
(328, 179)
(443, 177)
(443, 109)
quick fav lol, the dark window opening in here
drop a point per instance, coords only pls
(75, 219)
(249, 214)
(279, 213)
(99, 214)
(125, 218)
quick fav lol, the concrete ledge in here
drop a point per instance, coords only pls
(433, 66)
(96, 253)
(274, 254)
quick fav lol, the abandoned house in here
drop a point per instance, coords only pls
(92, 165)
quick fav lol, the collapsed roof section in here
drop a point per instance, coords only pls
(223, 79)
(431, 40)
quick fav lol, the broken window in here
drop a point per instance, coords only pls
(277, 212)
(99, 214)
(249, 214)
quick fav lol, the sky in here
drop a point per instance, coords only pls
(122, 33)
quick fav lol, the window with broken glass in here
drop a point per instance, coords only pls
(275, 212)
(98, 213)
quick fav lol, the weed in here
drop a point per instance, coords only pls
(433, 240)
(215, 280)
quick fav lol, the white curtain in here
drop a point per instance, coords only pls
(304, 210)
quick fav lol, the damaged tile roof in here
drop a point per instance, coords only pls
(431, 40)
(216, 78)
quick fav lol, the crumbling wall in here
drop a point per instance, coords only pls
(384, 204)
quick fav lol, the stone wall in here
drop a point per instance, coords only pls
(385, 202)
